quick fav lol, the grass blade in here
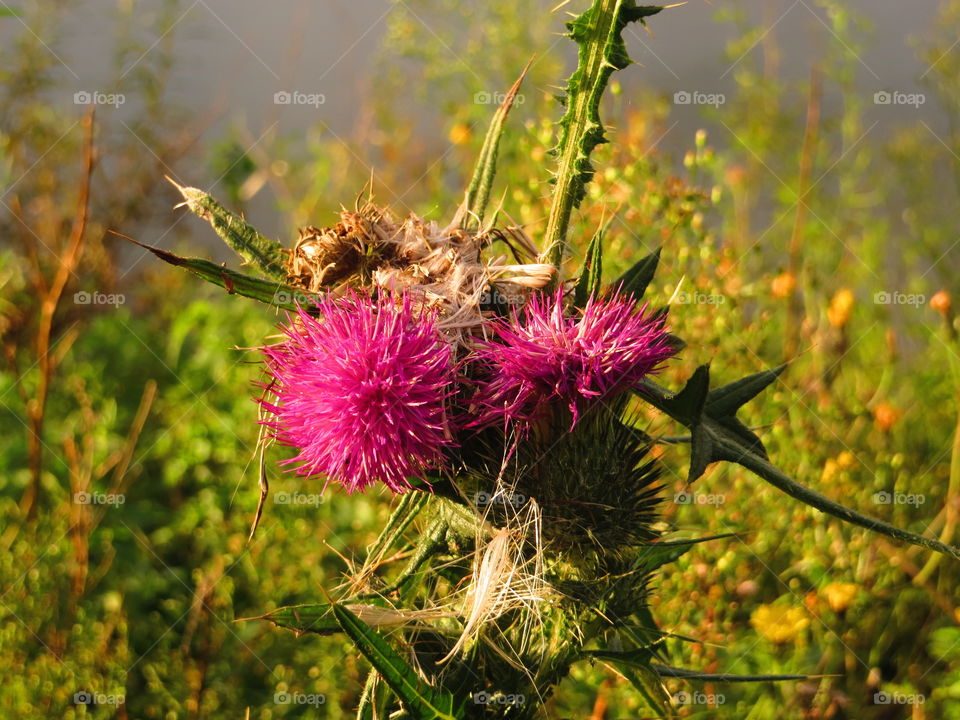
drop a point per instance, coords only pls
(478, 191)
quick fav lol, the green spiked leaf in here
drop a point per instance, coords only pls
(375, 699)
(406, 511)
(667, 671)
(478, 192)
(724, 437)
(312, 618)
(633, 283)
(688, 404)
(268, 291)
(598, 34)
(656, 555)
(727, 399)
(590, 275)
(420, 700)
(265, 255)
(638, 670)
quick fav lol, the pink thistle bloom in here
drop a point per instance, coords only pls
(540, 355)
(361, 391)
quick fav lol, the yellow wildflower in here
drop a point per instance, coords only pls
(460, 134)
(846, 460)
(841, 307)
(885, 416)
(779, 623)
(829, 470)
(839, 595)
(783, 285)
(941, 302)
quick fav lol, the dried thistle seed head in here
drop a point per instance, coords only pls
(442, 267)
(323, 257)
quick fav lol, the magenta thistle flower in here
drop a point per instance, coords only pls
(361, 391)
(541, 355)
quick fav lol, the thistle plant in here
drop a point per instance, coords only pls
(504, 401)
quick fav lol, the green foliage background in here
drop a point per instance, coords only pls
(170, 571)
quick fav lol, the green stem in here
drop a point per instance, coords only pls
(784, 483)
(598, 34)
(728, 447)
(953, 487)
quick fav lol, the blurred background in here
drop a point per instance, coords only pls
(798, 162)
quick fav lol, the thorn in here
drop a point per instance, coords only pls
(173, 182)
(676, 292)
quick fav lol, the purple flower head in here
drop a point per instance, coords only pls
(361, 391)
(541, 355)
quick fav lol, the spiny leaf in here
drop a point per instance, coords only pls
(421, 701)
(645, 635)
(375, 699)
(406, 511)
(266, 255)
(687, 405)
(633, 283)
(601, 50)
(726, 438)
(656, 555)
(311, 617)
(478, 192)
(267, 291)
(667, 671)
(639, 672)
(427, 546)
(590, 274)
(727, 399)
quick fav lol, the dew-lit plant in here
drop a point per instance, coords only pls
(504, 401)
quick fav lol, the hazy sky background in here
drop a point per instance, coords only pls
(241, 52)
(238, 54)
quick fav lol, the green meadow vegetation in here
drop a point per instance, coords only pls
(792, 228)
